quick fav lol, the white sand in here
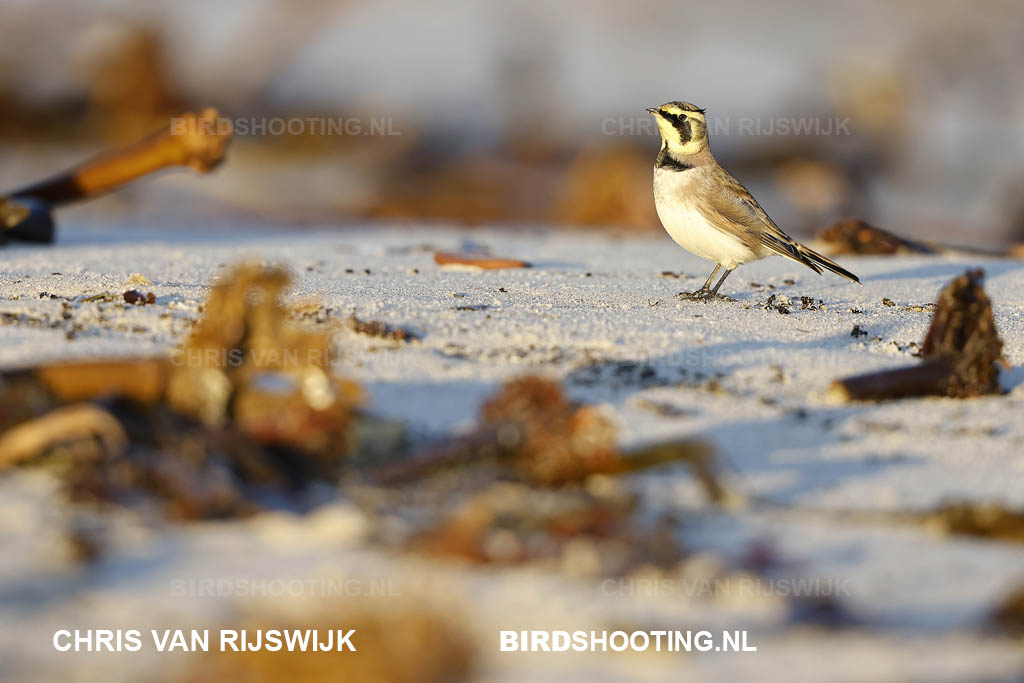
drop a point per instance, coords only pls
(597, 313)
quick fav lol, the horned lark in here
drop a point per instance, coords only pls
(707, 211)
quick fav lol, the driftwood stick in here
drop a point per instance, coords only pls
(962, 352)
(697, 455)
(437, 457)
(198, 141)
(930, 378)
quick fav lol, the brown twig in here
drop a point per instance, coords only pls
(480, 445)
(198, 141)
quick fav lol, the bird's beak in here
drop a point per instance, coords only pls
(652, 110)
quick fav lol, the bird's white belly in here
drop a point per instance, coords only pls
(690, 230)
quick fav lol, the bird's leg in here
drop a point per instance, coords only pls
(725, 275)
(707, 284)
(704, 293)
(707, 293)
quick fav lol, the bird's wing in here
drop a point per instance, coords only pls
(730, 207)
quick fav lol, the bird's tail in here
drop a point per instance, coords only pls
(817, 261)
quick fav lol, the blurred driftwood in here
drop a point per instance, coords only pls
(198, 141)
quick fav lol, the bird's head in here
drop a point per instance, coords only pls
(683, 128)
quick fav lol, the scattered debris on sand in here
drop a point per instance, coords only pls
(380, 329)
(137, 298)
(961, 352)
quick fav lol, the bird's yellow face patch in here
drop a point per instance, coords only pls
(683, 127)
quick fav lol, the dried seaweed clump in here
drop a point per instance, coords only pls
(247, 364)
(854, 236)
(413, 644)
(592, 531)
(242, 416)
(531, 425)
(982, 520)
(961, 352)
(552, 441)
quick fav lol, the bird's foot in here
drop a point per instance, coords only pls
(704, 296)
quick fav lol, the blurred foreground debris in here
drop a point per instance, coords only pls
(591, 531)
(197, 141)
(410, 643)
(249, 407)
(1009, 613)
(531, 426)
(981, 520)
(854, 236)
(246, 364)
(12, 213)
(249, 402)
(960, 352)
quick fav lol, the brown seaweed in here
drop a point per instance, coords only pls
(591, 530)
(248, 403)
(980, 520)
(531, 426)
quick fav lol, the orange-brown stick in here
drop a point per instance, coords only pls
(484, 262)
(198, 141)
